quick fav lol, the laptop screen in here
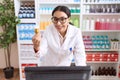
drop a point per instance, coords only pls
(58, 73)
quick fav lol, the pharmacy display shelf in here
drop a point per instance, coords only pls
(91, 18)
(103, 78)
(26, 0)
(28, 20)
(49, 14)
(103, 62)
(39, 17)
(101, 14)
(58, 3)
(99, 3)
(45, 10)
(101, 31)
(27, 50)
(25, 42)
(30, 60)
(106, 50)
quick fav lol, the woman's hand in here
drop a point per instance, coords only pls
(36, 40)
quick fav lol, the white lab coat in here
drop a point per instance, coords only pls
(52, 53)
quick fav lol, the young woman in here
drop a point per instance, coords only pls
(61, 41)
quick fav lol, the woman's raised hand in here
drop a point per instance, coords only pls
(36, 39)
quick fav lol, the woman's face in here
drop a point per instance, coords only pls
(61, 21)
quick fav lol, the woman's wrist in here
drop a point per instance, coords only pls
(36, 49)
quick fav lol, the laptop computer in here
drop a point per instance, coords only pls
(58, 73)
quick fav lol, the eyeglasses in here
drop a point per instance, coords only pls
(55, 20)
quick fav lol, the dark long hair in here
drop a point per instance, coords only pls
(64, 9)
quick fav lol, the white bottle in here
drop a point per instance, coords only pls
(107, 24)
(92, 24)
(87, 24)
(113, 25)
(118, 24)
(84, 8)
(83, 25)
(92, 1)
(102, 24)
(88, 1)
(108, 9)
(87, 8)
(112, 9)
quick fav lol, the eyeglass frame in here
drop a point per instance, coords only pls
(59, 19)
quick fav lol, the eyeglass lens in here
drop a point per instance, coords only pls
(61, 20)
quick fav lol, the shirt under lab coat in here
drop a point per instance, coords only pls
(52, 53)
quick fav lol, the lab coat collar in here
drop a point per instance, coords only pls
(55, 33)
(68, 35)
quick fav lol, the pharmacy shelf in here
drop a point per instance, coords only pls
(103, 62)
(25, 42)
(56, 3)
(40, 16)
(107, 50)
(26, 0)
(86, 15)
(28, 20)
(103, 78)
(49, 14)
(25, 50)
(29, 61)
(99, 3)
(101, 14)
(102, 31)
